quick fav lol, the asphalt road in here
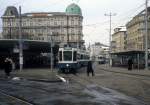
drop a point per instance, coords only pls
(61, 93)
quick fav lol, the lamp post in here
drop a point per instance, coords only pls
(110, 15)
(67, 30)
(146, 36)
(20, 42)
(51, 39)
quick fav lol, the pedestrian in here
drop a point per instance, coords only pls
(12, 64)
(7, 67)
(90, 68)
(130, 64)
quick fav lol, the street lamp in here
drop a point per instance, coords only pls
(110, 15)
(146, 36)
(51, 39)
(20, 42)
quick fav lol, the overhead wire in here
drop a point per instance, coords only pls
(127, 16)
(98, 23)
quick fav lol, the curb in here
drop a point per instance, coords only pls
(125, 72)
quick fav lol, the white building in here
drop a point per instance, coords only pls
(99, 49)
(0, 35)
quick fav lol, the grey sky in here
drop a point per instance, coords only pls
(95, 24)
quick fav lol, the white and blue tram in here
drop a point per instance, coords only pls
(71, 59)
(83, 58)
(101, 59)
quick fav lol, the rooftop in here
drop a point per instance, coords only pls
(73, 9)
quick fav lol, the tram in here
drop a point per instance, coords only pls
(71, 59)
(101, 59)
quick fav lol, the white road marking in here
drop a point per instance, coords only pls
(62, 78)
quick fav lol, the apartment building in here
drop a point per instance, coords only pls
(0, 35)
(136, 32)
(119, 40)
(63, 26)
(98, 48)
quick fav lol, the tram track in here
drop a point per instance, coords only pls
(32, 86)
(92, 86)
(79, 80)
(20, 100)
(82, 81)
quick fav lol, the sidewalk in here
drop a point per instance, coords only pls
(140, 72)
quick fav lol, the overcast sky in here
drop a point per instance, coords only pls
(95, 23)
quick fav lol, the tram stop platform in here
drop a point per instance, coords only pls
(139, 72)
(45, 75)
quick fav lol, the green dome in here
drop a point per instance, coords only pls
(73, 9)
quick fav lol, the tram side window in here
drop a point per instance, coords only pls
(86, 57)
(60, 55)
(78, 56)
(74, 56)
(81, 56)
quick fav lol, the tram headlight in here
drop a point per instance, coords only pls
(67, 65)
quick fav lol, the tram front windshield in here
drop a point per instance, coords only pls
(67, 55)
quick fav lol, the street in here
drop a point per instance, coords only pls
(105, 88)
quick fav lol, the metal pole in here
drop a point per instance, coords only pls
(20, 42)
(67, 30)
(78, 42)
(51, 54)
(146, 37)
(110, 41)
(138, 58)
(10, 28)
(110, 15)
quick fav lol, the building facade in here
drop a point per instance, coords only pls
(97, 49)
(119, 40)
(0, 35)
(134, 41)
(136, 32)
(62, 27)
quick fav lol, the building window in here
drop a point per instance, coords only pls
(11, 12)
(72, 31)
(62, 23)
(72, 22)
(55, 22)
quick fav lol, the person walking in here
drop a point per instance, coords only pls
(7, 67)
(90, 68)
(130, 63)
